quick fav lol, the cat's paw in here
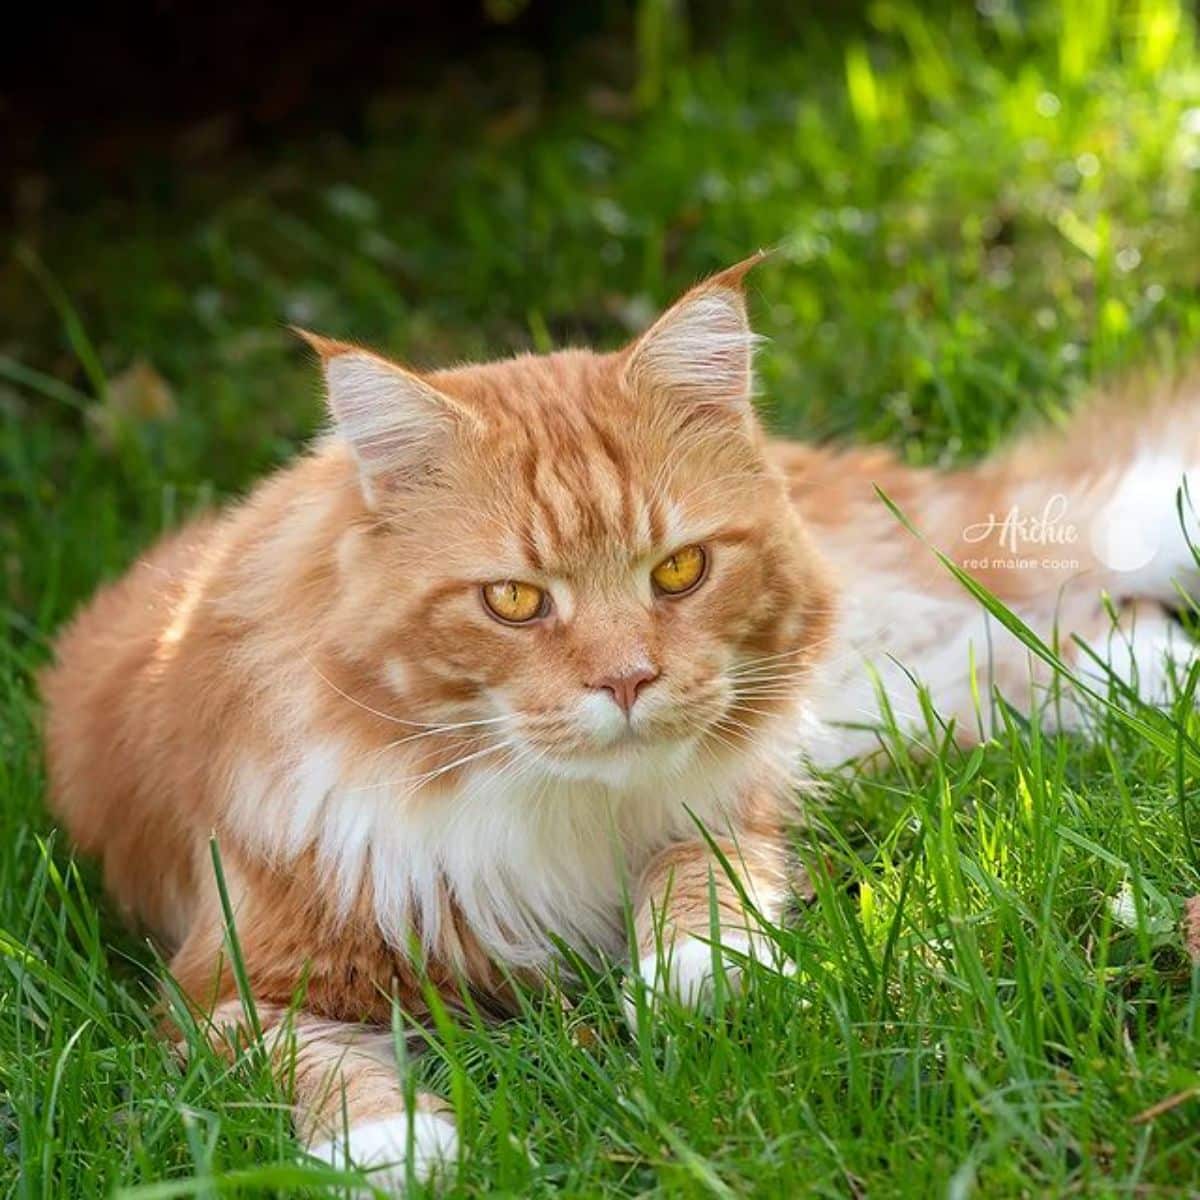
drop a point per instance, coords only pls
(685, 972)
(380, 1149)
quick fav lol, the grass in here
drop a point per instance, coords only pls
(980, 213)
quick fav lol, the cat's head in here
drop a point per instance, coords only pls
(584, 563)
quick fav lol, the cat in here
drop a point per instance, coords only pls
(520, 644)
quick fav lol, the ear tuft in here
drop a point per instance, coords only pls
(735, 276)
(701, 349)
(399, 427)
(325, 347)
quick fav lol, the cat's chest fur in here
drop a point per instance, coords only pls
(521, 858)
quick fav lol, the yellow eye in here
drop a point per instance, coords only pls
(681, 572)
(515, 602)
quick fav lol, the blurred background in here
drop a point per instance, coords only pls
(980, 208)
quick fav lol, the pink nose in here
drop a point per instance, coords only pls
(624, 688)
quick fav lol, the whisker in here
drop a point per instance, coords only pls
(766, 658)
(417, 781)
(431, 726)
(441, 729)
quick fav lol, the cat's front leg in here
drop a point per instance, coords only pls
(674, 912)
(349, 1107)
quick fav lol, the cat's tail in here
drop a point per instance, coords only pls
(1112, 498)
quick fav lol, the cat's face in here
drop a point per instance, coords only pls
(585, 555)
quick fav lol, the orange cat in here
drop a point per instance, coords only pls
(467, 675)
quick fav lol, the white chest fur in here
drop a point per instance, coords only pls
(521, 855)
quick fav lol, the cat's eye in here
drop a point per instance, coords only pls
(514, 602)
(681, 572)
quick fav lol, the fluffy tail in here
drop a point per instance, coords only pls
(1112, 500)
(1047, 525)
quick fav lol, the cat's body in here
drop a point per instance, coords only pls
(397, 770)
(1065, 527)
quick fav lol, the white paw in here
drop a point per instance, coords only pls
(381, 1149)
(685, 971)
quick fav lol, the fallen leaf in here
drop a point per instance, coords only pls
(1124, 909)
(1189, 927)
(1166, 1105)
(136, 395)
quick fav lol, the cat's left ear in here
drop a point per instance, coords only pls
(701, 350)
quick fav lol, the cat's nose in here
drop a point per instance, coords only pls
(624, 687)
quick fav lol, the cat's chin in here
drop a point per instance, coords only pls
(630, 763)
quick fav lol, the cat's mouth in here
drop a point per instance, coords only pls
(647, 742)
(631, 753)
(624, 761)
(631, 740)
(625, 742)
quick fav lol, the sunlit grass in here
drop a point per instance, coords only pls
(980, 212)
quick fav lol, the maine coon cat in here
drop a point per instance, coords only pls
(468, 675)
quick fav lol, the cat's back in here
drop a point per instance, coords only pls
(107, 708)
(833, 484)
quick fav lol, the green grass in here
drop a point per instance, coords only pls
(979, 215)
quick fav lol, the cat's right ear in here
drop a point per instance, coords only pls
(398, 425)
